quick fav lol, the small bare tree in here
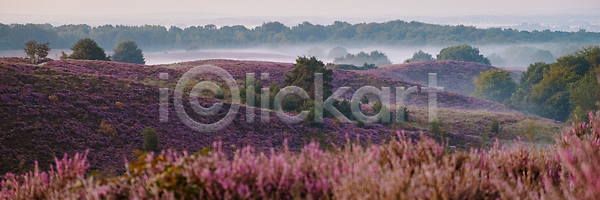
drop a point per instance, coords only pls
(29, 49)
(36, 51)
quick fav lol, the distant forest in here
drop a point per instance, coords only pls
(392, 33)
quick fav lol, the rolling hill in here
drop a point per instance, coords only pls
(68, 106)
(454, 76)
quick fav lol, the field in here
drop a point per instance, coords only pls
(100, 108)
(397, 169)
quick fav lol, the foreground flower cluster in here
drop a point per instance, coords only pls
(400, 169)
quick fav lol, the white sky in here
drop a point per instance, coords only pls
(319, 8)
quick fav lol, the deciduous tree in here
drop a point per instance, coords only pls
(87, 49)
(128, 52)
(463, 52)
(494, 85)
(35, 51)
(420, 56)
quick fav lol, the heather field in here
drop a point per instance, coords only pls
(95, 112)
(400, 168)
(271, 99)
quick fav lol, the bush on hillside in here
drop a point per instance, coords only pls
(420, 56)
(303, 76)
(337, 52)
(36, 51)
(551, 96)
(87, 49)
(128, 52)
(494, 85)
(496, 60)
(150, 137)
(365, 66)
(495, 126)
(542, 56)
(375, 57)
(463, 52)
(520, 100)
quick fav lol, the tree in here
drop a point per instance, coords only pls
(463, 52)
(337, 52)
(496, 60)
(128, 52)
(494, 85)
(36, 51)
(317, 52)
(520, 99)
(303, 75)
(150, 140)
(534, 75)
(378, 106)
(29, 49)
(565, 89)
(585, 96)
(551, 95)
(520, 55)
(375, 57)
(87, 49)
(42, 50)
(585, 93)
(542, 56)
(420, 56)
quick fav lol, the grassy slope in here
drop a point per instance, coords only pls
(37, 126)
(454, 76)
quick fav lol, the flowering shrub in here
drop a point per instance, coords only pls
(119, 104)
(399, 169)
(107, 128)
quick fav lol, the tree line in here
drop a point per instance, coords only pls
(153, 37)
(88, 49)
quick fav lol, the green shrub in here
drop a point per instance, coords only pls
(273, 90)
(128, 52)
(220, 95)
(377, 106)
(462, 52)
(494, 85)
(376, 58)
(344, 108)
(87, 49)
(291, 103)
(36, 51)
(494, 126)
(257, 92)
(436, 127)
(303, 76)
(150, 140)
(406, 113)
(420, 56)
(364, 100)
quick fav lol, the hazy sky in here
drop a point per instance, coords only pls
(321, 8)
